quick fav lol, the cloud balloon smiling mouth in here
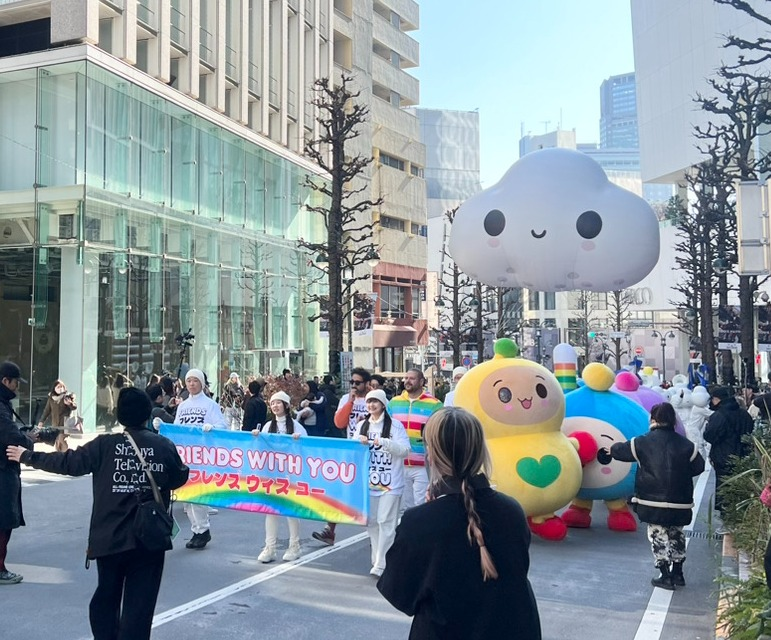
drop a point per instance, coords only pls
(526, 403)
(537, 235)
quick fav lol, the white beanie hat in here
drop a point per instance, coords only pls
(281, 395)
(197, 374)
(459, 371)
(378, 394)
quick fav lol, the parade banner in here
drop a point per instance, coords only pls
(729, 328)
(764, 329)
(313, 478)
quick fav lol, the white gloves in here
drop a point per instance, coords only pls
(207, 427)
(385, 443)
(156, 423)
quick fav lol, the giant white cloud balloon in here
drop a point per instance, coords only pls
(555, 222)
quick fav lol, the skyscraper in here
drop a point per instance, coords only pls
(618, 113)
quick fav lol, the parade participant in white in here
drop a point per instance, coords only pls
(198, 410)
(457, 374)
(388, 446)
(282, 423)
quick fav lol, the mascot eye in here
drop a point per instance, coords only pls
(588, 225)
(541, 390)
(504, 395)
(604, 458)
(495, 222)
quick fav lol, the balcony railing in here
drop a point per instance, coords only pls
(231, 63)
(254, 78)
(146, 13)
(206, 49)
(178, 30)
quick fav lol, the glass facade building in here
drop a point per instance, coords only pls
(126, 219)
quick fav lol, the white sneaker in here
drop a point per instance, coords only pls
(293, 552)
(268, 554)
(376, 571)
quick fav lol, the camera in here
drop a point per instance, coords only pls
(186, 339)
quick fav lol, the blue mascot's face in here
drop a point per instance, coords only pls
(603, 471)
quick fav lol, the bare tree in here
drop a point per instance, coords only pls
(583, 320)
(619, 303)
(344, 210)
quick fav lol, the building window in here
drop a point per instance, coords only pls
(416, 171)
(532, 300)
(390, 161)
(419, 229)
(392, 301)
(387, 222)
(549, 300)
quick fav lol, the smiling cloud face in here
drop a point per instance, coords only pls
(555, 222)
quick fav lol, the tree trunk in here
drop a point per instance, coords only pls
(747, 324)
(479, 328)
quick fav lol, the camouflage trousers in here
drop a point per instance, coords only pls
(667, 543)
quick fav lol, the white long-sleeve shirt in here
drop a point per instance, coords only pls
(281, 426)
(198, 410)
(386, 470)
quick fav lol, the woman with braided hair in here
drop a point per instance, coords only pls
(459, 562)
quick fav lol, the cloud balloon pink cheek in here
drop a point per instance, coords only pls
(494, 242)
(606, 470)
(508, 407)
(588, 245)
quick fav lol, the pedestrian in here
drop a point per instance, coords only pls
(313, 411)
(232, 400)
(159, 413)
(413, 407)
(457, 374)
(198, 410)
(11, 514)
(283, 422)
(459, 562)
(129, 575)
(287, 374)
(388, 445)
(697, 419)
(350, 411)
(330, 394)
(726, 427)
(663, 489)
(105, 403)
(60, 405)
(255, 408)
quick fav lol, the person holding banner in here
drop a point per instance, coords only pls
(198, 410)
(351, 410)
(388, 446)
(459, 562)
(283, 422)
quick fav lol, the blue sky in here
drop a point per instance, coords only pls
(521, 61)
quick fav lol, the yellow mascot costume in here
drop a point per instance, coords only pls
(521, 407)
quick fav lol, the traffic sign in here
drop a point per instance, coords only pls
(467, 361)
(638, 351)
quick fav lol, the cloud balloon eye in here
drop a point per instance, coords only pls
(540, 389)
(589, 224)
(495, 222)
(504, 395)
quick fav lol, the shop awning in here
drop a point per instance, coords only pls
(393, 336)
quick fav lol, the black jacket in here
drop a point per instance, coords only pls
(11, 515)
(663, 485)
(255, 413)
(724, 432)
(433, 572)
(117, 476)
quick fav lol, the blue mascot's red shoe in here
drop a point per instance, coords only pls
(577, 517)
(550, 529)
(622, 520)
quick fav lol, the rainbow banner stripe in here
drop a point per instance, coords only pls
(313, 478)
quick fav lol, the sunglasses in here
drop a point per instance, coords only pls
(356, 381)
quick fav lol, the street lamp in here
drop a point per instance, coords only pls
(663, 337)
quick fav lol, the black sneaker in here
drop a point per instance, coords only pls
(8, 577)
(199, 540)
(326, 535)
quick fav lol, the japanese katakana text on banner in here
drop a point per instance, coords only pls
(314, 478)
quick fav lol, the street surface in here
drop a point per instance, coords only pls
(594, 585)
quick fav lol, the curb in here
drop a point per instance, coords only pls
(729, 566)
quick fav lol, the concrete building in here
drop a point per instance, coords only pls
(373, 45)
(151, 181)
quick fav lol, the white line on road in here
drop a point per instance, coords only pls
(652, 623)
(215, 596)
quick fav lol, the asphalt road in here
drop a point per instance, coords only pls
(595, 584)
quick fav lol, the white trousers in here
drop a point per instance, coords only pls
(271, 530)
(415, 486)
(198, 514)
(381, 526)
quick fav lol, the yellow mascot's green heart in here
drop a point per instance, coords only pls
(539, 473)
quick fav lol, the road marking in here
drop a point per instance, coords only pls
(652, 623)
(221, 594)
